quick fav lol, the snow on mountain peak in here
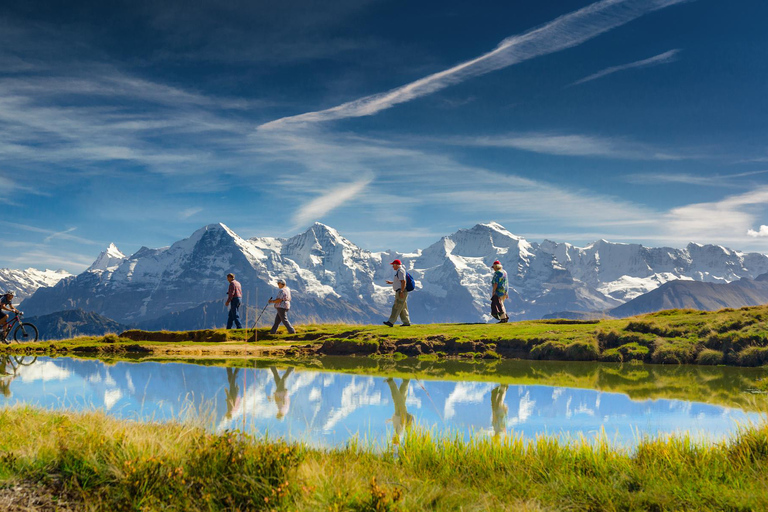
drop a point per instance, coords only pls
(108, 260)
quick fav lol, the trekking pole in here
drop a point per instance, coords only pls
(256, 323)
(262, 312)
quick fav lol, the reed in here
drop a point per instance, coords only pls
(106, 464)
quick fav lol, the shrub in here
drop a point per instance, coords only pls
(653, 328)
(753, 356)
(709, 357)
(110, 338)
(679, 352)
(548, 350)
(582, 351)
(612, 355)
(634, 350)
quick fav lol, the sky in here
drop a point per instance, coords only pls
(639, 121)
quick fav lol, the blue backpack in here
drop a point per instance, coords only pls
(410, 284)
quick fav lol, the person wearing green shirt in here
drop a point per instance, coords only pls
(499, 293)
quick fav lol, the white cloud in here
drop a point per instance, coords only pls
(564, 32)
(570, 145)
(713, 221)
(189, 212)
(330, 200)
(664, 58)
(763, 231)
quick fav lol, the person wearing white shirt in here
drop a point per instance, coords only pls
(282, 305)
(400, 307)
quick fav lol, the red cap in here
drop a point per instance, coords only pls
(497, 262)
(396, 262)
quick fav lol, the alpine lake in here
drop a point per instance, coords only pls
(331, 401)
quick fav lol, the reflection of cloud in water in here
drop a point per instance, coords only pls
(525, 409)
(465, 393)
(129, 382)
(556, 393)
(412, 400)
(583, 409)
(300, 380)
(328, 380)
(111, 396)
(44, 371)
(353, 396)
(315, 395)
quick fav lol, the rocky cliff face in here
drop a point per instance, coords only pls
(334, 280)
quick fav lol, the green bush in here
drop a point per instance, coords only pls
(678, 352)
(753, 356)
(612, 355)
(634, 350)
(709, 357)
(582, 351)
(548, 350)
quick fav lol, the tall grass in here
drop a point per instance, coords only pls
(107, 464)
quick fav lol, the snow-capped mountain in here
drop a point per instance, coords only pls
(335, 280)
(26, 282)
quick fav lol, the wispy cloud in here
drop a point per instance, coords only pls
(51, 234)
(570, 145)
(189, 212)
(762, 232)
(663, 58)
(719, 180)
(713, 221)
(332, 199)
(564, 32)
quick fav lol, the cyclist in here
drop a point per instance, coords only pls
(6, 304)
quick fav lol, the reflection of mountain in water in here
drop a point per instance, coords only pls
(326, 408)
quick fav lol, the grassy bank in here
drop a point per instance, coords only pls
(95, 462)
(730, 337)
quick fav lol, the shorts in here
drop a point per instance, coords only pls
(3, 315)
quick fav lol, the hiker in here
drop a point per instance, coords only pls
(499, 409)
(232, 393)
(282, 305)
(402, 419)
(499, 293)
(234, 298)
(281, 397)
(400, 307)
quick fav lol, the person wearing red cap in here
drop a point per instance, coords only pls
(499, 293)
(400, 307)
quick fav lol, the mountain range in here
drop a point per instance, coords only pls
(333, 280)
(26, 282)
(698, 295)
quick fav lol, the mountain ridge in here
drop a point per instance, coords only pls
(327, 273)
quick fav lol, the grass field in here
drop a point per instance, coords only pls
(90, 461)
(730, 337)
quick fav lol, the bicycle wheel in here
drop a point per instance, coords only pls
(24, 360)
(25, 332)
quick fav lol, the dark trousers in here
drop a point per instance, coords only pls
(497, 308)
(234, 314)
(282, 316)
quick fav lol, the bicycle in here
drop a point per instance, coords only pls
(22, 331)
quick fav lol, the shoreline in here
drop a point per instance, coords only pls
(726, 337)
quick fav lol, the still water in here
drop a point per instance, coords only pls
(327, 403)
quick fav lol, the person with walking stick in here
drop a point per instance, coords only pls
(282, 305)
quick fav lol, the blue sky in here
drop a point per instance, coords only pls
(394, 122)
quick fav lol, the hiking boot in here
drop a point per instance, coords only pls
(504, 320)
(405, 325)
(388, 323)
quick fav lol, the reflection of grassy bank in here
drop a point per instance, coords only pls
(730, 337)
(104, 464)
